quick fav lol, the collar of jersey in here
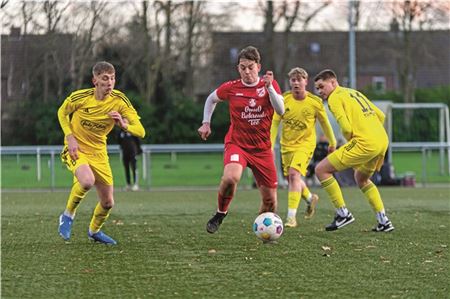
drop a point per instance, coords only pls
(250, 85)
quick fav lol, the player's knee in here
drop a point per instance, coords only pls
(87, 183)
(230, 180)
(318, 169)
(361, 182)
(294, 176)
(108, 203)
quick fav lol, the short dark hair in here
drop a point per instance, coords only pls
(250, 53)
(325, 75)
(102, 67)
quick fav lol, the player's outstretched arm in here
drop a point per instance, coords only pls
(275, 98)
(210, 104)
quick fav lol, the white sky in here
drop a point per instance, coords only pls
(249, 17)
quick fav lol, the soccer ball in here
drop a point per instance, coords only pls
(268, 226)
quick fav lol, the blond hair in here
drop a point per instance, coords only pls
(298, 72)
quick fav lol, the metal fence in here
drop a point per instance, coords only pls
(173, 149)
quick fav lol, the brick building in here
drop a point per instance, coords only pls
(378, 56)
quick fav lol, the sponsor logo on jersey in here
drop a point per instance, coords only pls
(295, 124)
(261, 92)
(252, 102)
(253, 114)
(92, 126)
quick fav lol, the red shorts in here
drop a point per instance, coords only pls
(262, 164)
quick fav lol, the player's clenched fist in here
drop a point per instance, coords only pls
(204, 131)
(268, 78)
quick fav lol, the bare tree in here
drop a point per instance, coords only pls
(407, 17)
(3, 3)
(285, 16)
(85, 38)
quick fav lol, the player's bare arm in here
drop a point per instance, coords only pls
(331, 148)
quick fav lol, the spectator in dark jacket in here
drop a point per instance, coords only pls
(131, 147)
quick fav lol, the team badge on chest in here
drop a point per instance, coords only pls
(261, 92)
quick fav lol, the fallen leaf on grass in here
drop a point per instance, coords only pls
(117, 222)
(210, 251)
(384, 259)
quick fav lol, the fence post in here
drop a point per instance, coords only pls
(148, 169)
(52, 169)
(38, 163)
(424, 166)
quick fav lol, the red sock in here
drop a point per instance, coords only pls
(223, 202)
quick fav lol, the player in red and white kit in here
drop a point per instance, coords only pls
(252, 101)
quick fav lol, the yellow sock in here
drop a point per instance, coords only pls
(306, 194)
(371, 192)
(331, 186)
(293, 199)
(99, 218)
(76, 196)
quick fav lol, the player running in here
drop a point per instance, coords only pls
(298, 140)
(361, 123)
(93, 112)
(252, 101)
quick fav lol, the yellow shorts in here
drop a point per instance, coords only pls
(362, 158)
(298, 160)
(99, 164)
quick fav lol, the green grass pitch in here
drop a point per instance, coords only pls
(164, 251)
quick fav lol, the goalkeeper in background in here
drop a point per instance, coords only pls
(94, 112)
(298, 140)
(361, 123)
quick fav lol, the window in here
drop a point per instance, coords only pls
(314, 48)
(234, 52)
(379, 84)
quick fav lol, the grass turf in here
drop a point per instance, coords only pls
(165, 252)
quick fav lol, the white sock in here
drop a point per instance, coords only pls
(71, 216)
(382, 218)
(343, 212)
(292, 213)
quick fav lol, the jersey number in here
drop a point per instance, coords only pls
(358, 97)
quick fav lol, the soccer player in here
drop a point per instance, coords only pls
(298, 140)
(361, 123)
(252, 101)
(94, 112)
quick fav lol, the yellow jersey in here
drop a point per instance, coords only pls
(298, 123)
(357, 117)
(90, 123)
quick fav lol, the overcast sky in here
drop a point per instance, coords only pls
(247, 15)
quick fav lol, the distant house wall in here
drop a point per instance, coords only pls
(377, 56)
(31, 67)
